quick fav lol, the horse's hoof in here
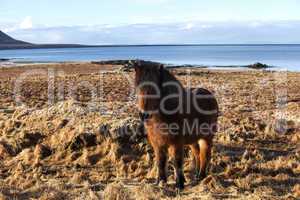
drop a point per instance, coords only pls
(178, 192)
(180, 187)
(199, 177)
(180, 184)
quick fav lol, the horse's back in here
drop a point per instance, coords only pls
(203, 102)
(200, 117)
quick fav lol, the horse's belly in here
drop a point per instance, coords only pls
(194, 129)
(160, 135)
(168, 134)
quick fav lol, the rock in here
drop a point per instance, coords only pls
(83, 140)
(113, 62)
(126, 68)
(258, 66)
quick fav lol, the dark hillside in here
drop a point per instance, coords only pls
(7, 40)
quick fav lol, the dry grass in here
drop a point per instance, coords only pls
(73, 150)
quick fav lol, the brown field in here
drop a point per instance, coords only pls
(71, 147)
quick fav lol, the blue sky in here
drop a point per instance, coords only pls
(152, 21)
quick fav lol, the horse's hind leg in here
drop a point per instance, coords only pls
(205, 155)
(161, 160)
(196, 159)
(178, 164)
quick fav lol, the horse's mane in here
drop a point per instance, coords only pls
(167, 83)
(168, 77)
(171, 87)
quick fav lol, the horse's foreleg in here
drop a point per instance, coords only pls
(178, 164)
(205, 155)
(161, 160)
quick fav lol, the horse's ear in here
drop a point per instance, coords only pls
(135, 64)
(161, 67)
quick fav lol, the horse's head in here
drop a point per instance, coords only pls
(148, 82)
(147, 71)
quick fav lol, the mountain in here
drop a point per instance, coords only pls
(7, 42)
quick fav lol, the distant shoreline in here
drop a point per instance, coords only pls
(277, 56)
(51, 46)
(256, 66)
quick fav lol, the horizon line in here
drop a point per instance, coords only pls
(61, 45)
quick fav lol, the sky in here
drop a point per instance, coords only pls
(152, 21)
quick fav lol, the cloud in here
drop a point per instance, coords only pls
(255, 24)
(26, 23)
(206, 26)
(188, 26)
(167, 33)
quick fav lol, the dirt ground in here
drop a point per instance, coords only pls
(61, 135)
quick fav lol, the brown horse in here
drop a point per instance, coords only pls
(175, 117)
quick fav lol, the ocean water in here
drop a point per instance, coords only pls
(279, 56)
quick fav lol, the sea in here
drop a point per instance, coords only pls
(281, 57)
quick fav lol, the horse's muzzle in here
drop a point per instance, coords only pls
(144, 116)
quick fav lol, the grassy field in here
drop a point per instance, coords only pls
(60, 138)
